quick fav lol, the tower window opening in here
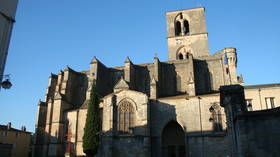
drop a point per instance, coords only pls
(178, 28)
(186, 28)
(181, 56)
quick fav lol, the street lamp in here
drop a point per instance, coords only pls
(6, 84)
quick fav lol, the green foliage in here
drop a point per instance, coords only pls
(92, 126)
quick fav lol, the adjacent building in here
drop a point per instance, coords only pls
(158, 109)
(250, 133)
(7, 19)
(14, 142)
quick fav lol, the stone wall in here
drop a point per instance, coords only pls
(76, 122)
(196, 42)
(114, 141)
(258, 133)
(258, 94)
(192, 113)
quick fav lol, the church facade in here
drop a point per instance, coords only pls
(159, 109)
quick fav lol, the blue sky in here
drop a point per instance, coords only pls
(49, 35)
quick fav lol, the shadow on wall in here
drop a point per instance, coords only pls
(58, 145)
(168, 82)
(163, 136)
(203, 77)
(257, 133)
(142, 79)
(170, 136)
(50, 147)
(174, 141)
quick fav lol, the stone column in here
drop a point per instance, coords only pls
(233, 100)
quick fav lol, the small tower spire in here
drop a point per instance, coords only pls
(127, 60)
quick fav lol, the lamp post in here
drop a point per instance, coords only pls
(6, 84)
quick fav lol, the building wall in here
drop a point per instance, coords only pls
(183, 91)
(258, 133)
(7, 18)
(258, 95)
(118, 144)
(193, 114)
(76, 120)
(173, 77)
(254, 133)
(20, 142)
(6, 150)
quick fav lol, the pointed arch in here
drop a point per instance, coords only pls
(188, 55)
(180, 56)
(133, 103)
(183, 53)
(178, 28)
(186, 27)
(216, 117)
(182, 24)
(126, 117)
(173, 140)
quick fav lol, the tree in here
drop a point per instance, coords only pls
(92, 126)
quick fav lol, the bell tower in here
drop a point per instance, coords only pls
(186, 34)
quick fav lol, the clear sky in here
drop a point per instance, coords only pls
(50, 34)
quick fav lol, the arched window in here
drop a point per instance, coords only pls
(180, 56)
(188, 55)
(173, 140)
(186, 27)
(177, 28)
(216, 118)
(125, 117)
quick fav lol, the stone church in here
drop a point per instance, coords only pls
(160, 109)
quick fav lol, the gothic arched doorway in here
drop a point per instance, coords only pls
(173, 140)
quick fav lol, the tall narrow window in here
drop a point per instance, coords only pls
(269, 102)
(216, 118)
(180, 56)
(249, 104)
(186, 28)
(188, 55)
(178, 28)
(125, 117)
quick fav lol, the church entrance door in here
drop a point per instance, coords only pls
(173, 140)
